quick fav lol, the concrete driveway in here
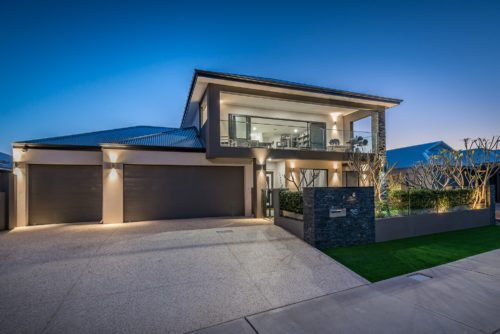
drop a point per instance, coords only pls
(156, 276)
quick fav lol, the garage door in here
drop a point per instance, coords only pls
(64, 194)
(169, 192)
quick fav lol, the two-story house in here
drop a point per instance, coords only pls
(239, 136)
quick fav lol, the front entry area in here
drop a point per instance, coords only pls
(159, 192)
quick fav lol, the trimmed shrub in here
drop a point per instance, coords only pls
(421, 199)
(292, 201)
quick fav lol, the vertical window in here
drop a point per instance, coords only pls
(203, 111)
(239, 127)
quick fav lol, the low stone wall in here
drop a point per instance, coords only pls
(355, 225)
(412, 226)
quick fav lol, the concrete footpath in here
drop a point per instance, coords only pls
(459, 297)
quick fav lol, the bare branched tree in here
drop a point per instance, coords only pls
(304, 180)
(471, 168)
(372, 171)
(433, 174)
(481, 161)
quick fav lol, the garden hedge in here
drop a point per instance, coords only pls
(292, 201)
(419, 199)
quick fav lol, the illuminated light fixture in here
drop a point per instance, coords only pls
(269, 159)
(113, 157)
(295, 130)
(17, 155)
(221, 101)
(17, 171)
(336, 170)
(254, 128)
(112, 165)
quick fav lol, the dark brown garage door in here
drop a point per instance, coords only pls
(169, 192)
(64, 194)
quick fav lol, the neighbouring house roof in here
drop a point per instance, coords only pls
(405, 157)
(5, 161)
(494, 156)
(148, 136)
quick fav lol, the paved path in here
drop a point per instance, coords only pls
(461, 297)
(155, 276)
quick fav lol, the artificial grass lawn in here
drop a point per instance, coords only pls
(376, 262)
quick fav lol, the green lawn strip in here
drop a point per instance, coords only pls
(380, 261)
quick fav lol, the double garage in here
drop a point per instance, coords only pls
(74, 193)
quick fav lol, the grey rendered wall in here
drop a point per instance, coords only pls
(411, 226)
(296, 227)
(3, 211)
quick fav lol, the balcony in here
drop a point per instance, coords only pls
(250, 132)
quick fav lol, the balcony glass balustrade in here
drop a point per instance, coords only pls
(243, 131)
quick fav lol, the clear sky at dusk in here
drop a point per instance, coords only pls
(77, 66)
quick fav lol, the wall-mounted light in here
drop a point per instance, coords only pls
(295, 130)
(17, 155)
(335, 170)
(112, 165)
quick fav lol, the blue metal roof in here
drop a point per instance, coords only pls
(479, 158)
(405, 157)
(5, 161)
(137, 135)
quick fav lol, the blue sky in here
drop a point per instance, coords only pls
(69, 66)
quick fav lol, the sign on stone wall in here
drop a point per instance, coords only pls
(336, 217)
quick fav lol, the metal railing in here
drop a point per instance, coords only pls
(264, 134)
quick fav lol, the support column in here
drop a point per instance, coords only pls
(112, 189)
(378, 132)
(259, 174)
(21, 194)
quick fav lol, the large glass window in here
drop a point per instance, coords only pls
(276, 133)
(313, 178)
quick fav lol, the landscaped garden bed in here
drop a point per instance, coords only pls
(380, 261)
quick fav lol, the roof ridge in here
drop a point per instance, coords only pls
(423, 144)
(89, 133)
(146, 136)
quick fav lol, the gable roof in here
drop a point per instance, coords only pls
(5, 161)
(149, 136)
(405, 157)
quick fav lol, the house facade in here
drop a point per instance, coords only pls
(239, 137)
